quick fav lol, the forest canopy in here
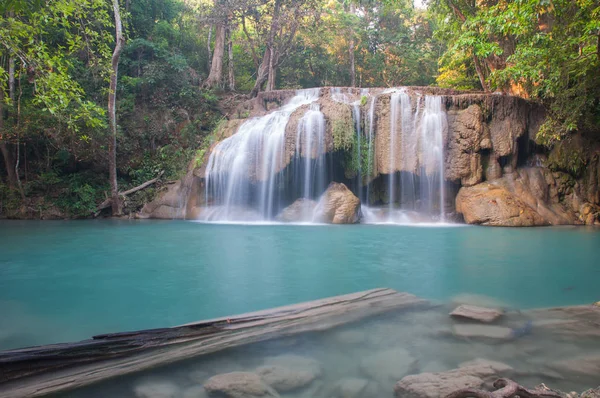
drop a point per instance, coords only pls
(182, 60)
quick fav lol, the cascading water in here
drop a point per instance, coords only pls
(370, 145)
(247, 178)
(415, 179)
(310, 153)
(433, 125)
(245, 169)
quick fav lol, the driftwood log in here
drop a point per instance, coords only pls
(37, 371)
(108, 202)
(506, 388)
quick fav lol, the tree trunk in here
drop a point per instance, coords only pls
(265, 70)
(272, 71)
(351, 52)
(216, 67)
(480, 74)
(230, 59)
(352, 64)
(262, 74)
(6, 149)
(9, 164)
(210, 28)
(112, 115)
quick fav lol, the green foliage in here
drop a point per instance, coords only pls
(545, 50)
(363, 100)
(77, 195)
(343, 132)
(353, 164)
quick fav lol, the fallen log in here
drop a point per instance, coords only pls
(108, 202)
(37, 371)
(506, 389)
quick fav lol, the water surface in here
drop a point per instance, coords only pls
(63, 281)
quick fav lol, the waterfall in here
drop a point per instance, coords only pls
(370, 145)
(419, 162)
(246, 167)
(433, 125)
(310, 153)
(255, 173)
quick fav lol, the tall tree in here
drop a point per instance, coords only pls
(285, 20)
(216, 68)
(112, 114)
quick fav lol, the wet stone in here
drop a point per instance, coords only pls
(238, 385)
(388, 366)
(476, 313)
(156, 389)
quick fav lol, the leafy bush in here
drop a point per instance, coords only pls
(343, 133)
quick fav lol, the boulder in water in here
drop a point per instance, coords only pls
(481, 314)
(156, 389)
(302, 210)
(338, 205)
(289, 372)
(388, 366)
(238, 385)
(472, 374)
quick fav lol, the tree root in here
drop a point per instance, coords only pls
(506, 388)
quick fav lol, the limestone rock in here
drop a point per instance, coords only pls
(238, 385)
(463, 161)
(435, 385)
(490, 204)
(156, 389)
(284, 379)
(301, 210)
(338, 205)
(289, 372)
(472, 374)
(481, 314)
(388, 366)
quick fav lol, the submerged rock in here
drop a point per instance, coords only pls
(302, 210)
(238, 385)
(388, 366)
(481, 314)
(472, 374)
(284, 379)
(338, 205)
(156, 389)
(289, 372)
(435, 385)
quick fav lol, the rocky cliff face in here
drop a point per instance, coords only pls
(493, 174)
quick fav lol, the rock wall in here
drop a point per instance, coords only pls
(501, 177)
